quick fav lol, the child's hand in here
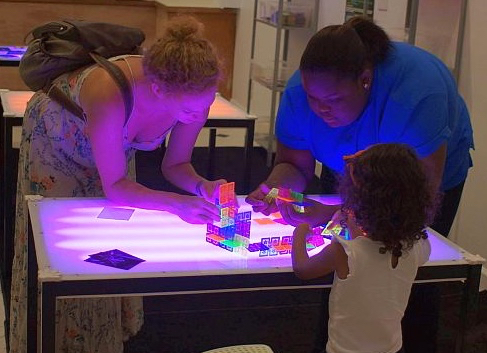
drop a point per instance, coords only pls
(346, 220)
(314, 214)
(336, 224)
(338, 218)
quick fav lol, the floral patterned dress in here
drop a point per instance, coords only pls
(56, 161)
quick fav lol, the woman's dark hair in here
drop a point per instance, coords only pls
(389, 193)
(346, 49)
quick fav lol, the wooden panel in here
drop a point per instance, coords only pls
(18, 18)
(220, 29)
(10, 79)
(97, 2)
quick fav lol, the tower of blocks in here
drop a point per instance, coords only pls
(233, 231)
(293, 197)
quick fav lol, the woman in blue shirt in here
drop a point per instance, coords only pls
(355, 88)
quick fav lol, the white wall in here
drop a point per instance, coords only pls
(471, 223)
(437, 29)
(242, 53)
(332, 12)
(391, 15)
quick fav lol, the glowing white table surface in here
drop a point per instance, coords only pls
(178, 258)
(66, 231)
(14, 104)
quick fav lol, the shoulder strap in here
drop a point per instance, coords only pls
(118, 76)
(59, 96)
(121, 81)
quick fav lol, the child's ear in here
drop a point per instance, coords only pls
(351, 220)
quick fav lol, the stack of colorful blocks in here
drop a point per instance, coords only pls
(233, 232)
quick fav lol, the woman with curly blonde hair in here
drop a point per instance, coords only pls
(173, 86)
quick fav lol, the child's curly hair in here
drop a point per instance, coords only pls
(182, 60)
(387, 190)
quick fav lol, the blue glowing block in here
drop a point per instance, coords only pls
(266, 242)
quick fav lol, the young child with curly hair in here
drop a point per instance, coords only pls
(387, 204)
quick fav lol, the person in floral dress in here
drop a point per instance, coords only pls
(173, 85)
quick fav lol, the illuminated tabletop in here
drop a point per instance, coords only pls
(11, 55)
(178, 259)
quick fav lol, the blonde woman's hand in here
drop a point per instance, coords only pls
(210, 190)
(196, 210)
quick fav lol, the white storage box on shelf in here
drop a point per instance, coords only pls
(264, 74)
(294, 13)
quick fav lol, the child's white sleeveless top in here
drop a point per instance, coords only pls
(366, 308)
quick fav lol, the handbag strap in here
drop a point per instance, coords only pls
(118, 76)
(59, 96)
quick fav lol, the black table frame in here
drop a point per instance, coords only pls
(7, 210)
(51, 290)
(247, 123)
(9, 63)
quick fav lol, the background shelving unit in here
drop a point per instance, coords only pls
(284, 16)
(359, 7)
(420, 26)
(437, 26)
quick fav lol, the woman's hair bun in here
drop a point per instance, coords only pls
(182, 60)
(182, 28)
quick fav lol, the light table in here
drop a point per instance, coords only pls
(179, 261)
